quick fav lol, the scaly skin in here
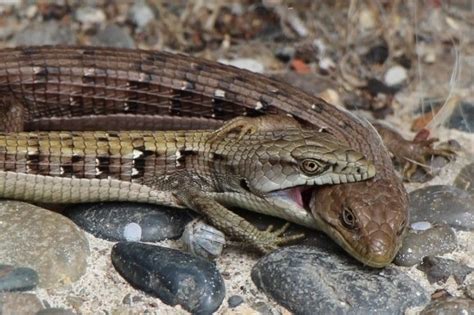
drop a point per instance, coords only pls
(52, 85)
(177, 168)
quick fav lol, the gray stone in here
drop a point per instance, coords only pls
(173, 276)
(235, 300)
(43, 240)
(309, 280)
(443, 204)
(17, 279)
(113, 36)
(14, 303)
(437, 240)
(45, 33)
(115, 221)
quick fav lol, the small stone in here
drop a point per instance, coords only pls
(110, 220)
(367, 19)
(310, 280)
(55, 311)
(43, 240)
(449, 306)
(90, 16)
(465, 179)
(19, 303)
(443, 204)
(437, 240)
(203, 240)
(327, 65)
(140, 14)
(421, 226)
(377, 54)
(235, 300)
(113, 36)
(440, 269)
(429, 57)
(17, 279)
(173, 276)
(45, 33)
(396, 75)
(244, 63)
(285, 54)
(132, 232)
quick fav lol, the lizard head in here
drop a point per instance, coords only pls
(306, 159)
(369, 227)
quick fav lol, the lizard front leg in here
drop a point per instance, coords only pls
(235, 226)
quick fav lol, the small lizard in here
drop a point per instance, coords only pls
(200, 170)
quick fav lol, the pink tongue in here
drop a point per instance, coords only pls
(294, 194)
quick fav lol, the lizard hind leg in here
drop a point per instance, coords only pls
(250, 125)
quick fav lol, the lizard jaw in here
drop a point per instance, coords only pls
(299, 195)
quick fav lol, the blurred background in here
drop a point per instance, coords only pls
(359, 53)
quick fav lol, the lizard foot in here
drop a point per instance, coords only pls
(242, 125)
(422, 150)
(250, 125)
(269, 240)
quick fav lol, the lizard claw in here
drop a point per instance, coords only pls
(269, 240)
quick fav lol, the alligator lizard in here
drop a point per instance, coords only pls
(74, 87)
(178, 168)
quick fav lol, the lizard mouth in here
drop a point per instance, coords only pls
(299, 195)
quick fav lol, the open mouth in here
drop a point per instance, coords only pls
(300, 195)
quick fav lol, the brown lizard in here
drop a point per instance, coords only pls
(77, 87)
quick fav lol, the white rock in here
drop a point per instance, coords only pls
(89, 16)
(141, 14)
(327, 64)
(132, 232)
(421, 226)
(395, 75)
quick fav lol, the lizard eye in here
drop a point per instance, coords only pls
(348, 218)
(311, 167)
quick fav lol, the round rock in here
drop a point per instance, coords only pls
(443, 204)
(235, 300)
(120, 221)
(43, 240)
(173, 276)
(437, 240)
(17, 279)
(19, 303)
(310, 280)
